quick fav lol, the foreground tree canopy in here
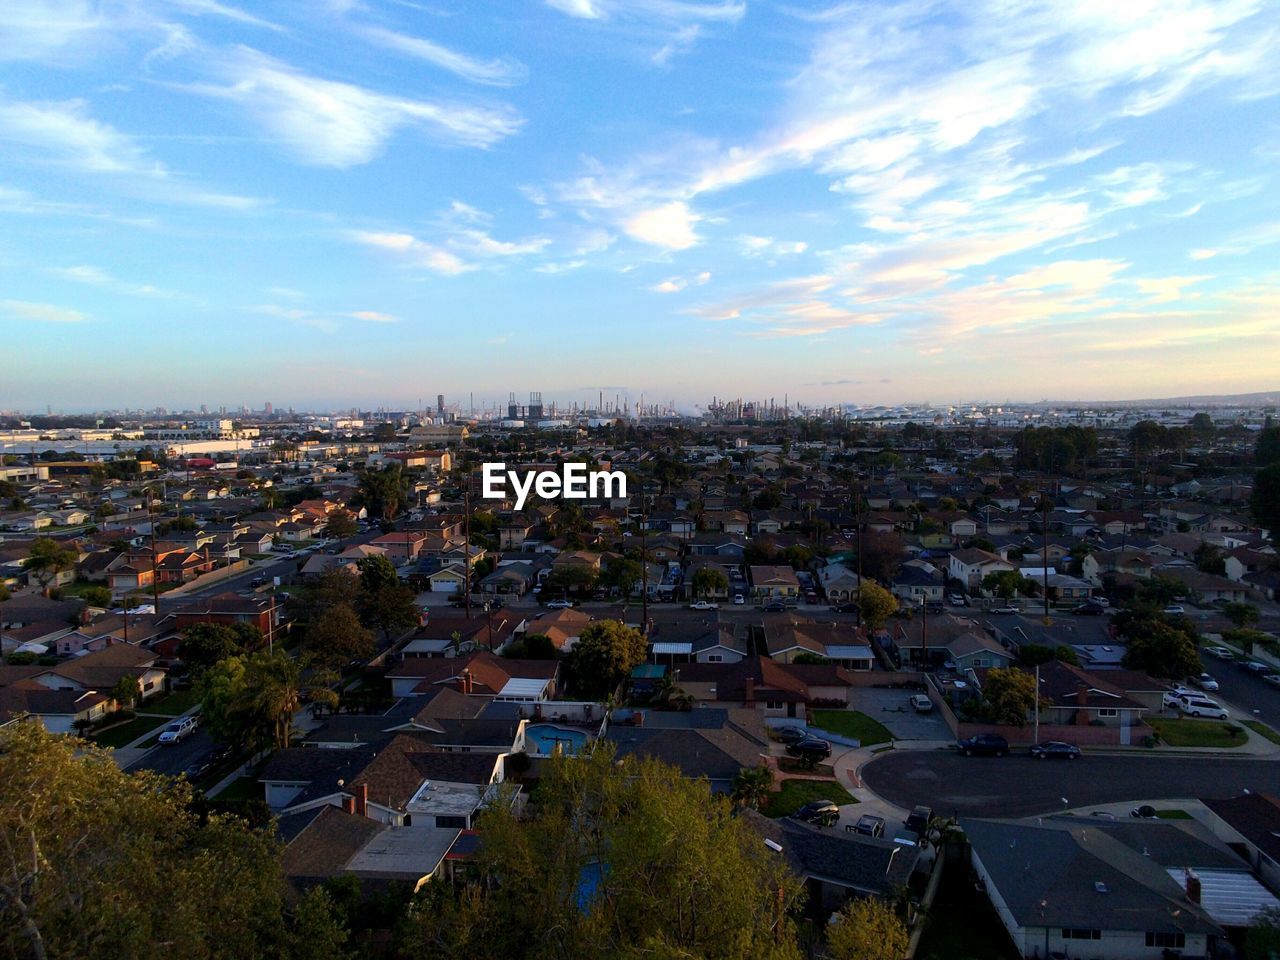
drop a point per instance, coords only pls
(623, 859)
(100, 863)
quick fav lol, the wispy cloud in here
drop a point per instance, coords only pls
(414, 252)
(670, 225)
(97, 277)
(499, 72)
(327, 322)
(330, 123)
(27, 311)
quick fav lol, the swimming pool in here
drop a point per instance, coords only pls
(541, 739)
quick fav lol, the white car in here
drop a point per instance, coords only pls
(1206, 682)
(179, 730)
(704, 605)
(1203, 707)
(1273, 679)
(739, 600)
(1222, 653)
(559, 604)
(1174, 608)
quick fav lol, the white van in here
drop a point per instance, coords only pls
(1203, 707)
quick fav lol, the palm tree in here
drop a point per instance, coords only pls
(270, 699)
(751, 787)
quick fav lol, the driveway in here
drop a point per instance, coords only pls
(892, 708)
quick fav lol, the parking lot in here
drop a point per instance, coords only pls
(893, 709)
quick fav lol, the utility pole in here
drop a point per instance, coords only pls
(1036, 708)
(1044, 565)
(466, 548)
(644, 562)
(155, 583)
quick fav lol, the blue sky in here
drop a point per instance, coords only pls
(370, 202)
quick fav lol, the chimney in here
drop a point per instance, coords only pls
(362, 800)
(348, 804)
(750, 690)
(464, 682)
(1193, 885)
(1082, 698)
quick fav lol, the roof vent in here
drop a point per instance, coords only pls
(773, 845)
(1099, 887)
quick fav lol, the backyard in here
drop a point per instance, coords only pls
(851, 723)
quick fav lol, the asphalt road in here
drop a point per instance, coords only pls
(1244, 690)
(1018, 786)
(173, 759)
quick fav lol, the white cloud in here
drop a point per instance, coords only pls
(670, 285)
(670, 225)
(96, 276)
(373, 316)
(334, 124)
(499, 72)
(213, 8)
(27, 311)
(415, 252)
(753, 246)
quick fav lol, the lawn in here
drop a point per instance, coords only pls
(851, 723)
(125, 733)
(796, 793)
(1197, 733)
(243, 788)
(1260, 728)
(180, 701)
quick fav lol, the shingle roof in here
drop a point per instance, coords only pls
(867, 864)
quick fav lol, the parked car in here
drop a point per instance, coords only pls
(1222, 653)
(179, 730)
(1171, 701)
(983, 744)
(1005, 608)
(868, 825)
(957, 600)
(704, 605)
(258, 582)
(791, 734)
(559, 604)
(739, 600)
(1206, 682)
(774, 606)
(201, 765)
(809, 747)
(1055, 750)
(920, 703)
(823, 812)
(1272, 678)
(846, 608)
(1088, 610)
(918, 820)
(1174, 608)
(1204, 707)
(1257, 666)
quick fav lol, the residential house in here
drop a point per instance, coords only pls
(972, 564)
(713, 743)
(772, 582)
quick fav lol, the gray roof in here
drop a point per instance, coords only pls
(1064, 875)
(869, 865)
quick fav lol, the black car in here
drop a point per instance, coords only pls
(919, 819)
(823, 812)
(1055, 750)
(791, 734)
(983, 745)
(1088, 610)
(868, 825)
(774, 606)
(809, 747)
(201, 765)
(846, 608)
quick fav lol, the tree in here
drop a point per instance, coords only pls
(751, 787)
(47, 558)
(531, 646)
(340, 525)
(85, 878)
(1265, 501)
(606, 652)
(1160, 649)
(638, 861)
(1267, 450)
(1147, 436)
(94, 596)
(127, 691)
(708, 580)
(337, 638)
(1262, 940)
(204, 644)
(1241, 614)
(570, 579)
(867, 929)
(1005, 584)
(875, 604)
(882, 555)
(1008, 695)
(622, 575)
(251, 700)
(384, 603)
(383, 492)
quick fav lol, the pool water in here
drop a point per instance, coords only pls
(541, 739)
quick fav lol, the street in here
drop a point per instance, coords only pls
(1018, 786)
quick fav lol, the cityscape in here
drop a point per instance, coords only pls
(639, 480)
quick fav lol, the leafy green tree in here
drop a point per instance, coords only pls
(1008, 695)
(575, 579)
(340, 525)
(94, 597)
(606, 652)
(1267, 450)
(751, 787)
(1005, 584)
(337, 638)
(531, 646)
(633, 861)
(623, 576)
(1241, 614)
(876, 604)
(1265, 501)
(384, 603)
(1160, 649)
(383, 492)
(127, 691)
(251, 700)
(47, 558)
(127, 870)
(867, 929)
(708, 580)
(1147, 437)
(204, 644)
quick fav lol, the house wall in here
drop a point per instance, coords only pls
(1025, 736)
